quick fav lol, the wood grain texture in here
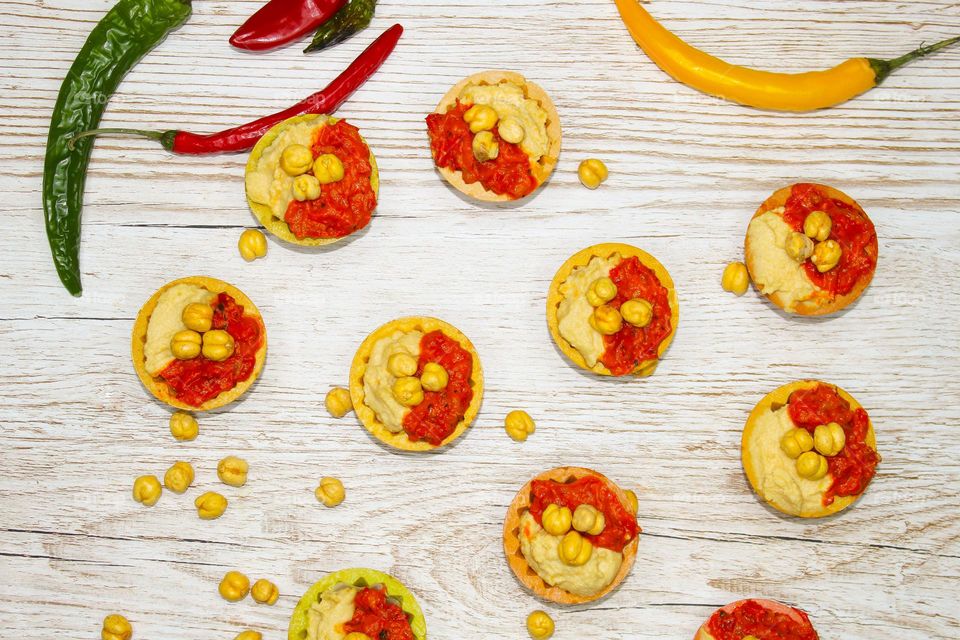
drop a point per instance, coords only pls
(686, 173)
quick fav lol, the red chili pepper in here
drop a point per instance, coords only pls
(281, 21)
(245, 136)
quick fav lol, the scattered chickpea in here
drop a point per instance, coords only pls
(539, 625)
(798, 246)
(592, 173)
(485, 146)
(556, 519)
(185, 345)
(519, 425)
(233, 471)
(264, 592)
(252, 244)
(210, 505)
(234, 586)
(434, 377)
(829, 439)
(306, 187)
(328, 169)
(796, 442)
(197, 316)
(735, 278)
(511, 130)
(218, 345)
(147, 490)
(588, 519)
(601, 291)
(249, 634)
(183, 426)
(338, 402)
(574, 549)
(296, 160)
(812, 465)
(632, 501)
(408, 391)
(116, 627)
(637, 312)
(480, 117)
(826, 255)
(606, 320)
(401, 365)
(330, 492)
(817, 225)
(178, 477)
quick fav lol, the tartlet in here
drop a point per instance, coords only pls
(756, 618)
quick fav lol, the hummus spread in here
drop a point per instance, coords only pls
(776, 472)
(539, 548)
(166, 321)
(326, 618)
(771, 268)
(574, 312)
(268, 184)
(508, 101)
(378, 381)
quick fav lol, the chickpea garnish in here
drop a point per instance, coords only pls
(306, 187)
(574, 549)
(234, 586)
(485, 147)
(338, 402)
(264, 592)
(826, 255)
(588, 519)
(252, 244)
(296, 160)
(408, 391)
(606, 320)
(183, 426)
(233, 471)
(147, 490)
(796, 442)
(798, 246)
(116, 627)
(185, 345)
(632, 501)
(511, 130)
(637, 312)
(556, 519)
(328, 169)
(601, 291)
(817, 225)
(249, 634)
(735, 278)
(812, 465)
(480, 117)
(178, 477)
(330, 492)
(592, 173)
(401, 365)
(218, 345)
(829, 439)
(519, 425)
(434, 377)
(210, 505)
(197, 316)
(539, 625)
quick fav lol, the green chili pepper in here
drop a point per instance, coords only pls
(354, 17)
(128, 32)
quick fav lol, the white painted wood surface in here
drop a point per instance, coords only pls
(687, 171)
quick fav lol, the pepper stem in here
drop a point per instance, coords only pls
(883, 68)
(159, 136)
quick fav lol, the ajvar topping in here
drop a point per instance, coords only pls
(630, 346)
(621, 526)
(752, 618)
(199, 380)
(343, 206)
(855, 465)
(852, 230)
(452, 144)
(378, 617)
(438, 415)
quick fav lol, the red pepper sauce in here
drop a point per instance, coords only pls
(199, 380)
(343, 206)
(630, 346)
(852, 230)
(621, 526)
(751, 618)
(438, 415)
(452, 144)
(855, 465)
(378, 618)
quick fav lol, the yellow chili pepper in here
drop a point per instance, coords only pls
(755, 88)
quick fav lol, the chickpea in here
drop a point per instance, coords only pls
(249, 634)
(556, 519)
(519, 425)
(485, 147)
(183, 426)
(829, 439)
(147, 490)
(511, 130)
(592, 173)
(735, 278)
(330, 492)
(185, 345)
(588, 519)
(540, 625)
(817, 225)
(338, 402)
(811, 465)
(197, 316)
(210, 505)
(328, 169)
(606, 320)
(637, 312)
(252, 244)
(234, 586)
(178, 477)
(264, 592)
(401, 365)
(796, 442)
(306, 187)
(826, 255)
(116, 627)
(218, 345)
(356, 635)
(798, 246)
(480, 117)
(296, 160)
(434, 377)
(574, 549)
(601, 291)
(408, 391)
(632, 501)
(233, 471)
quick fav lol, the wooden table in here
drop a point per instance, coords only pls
(686, 173)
